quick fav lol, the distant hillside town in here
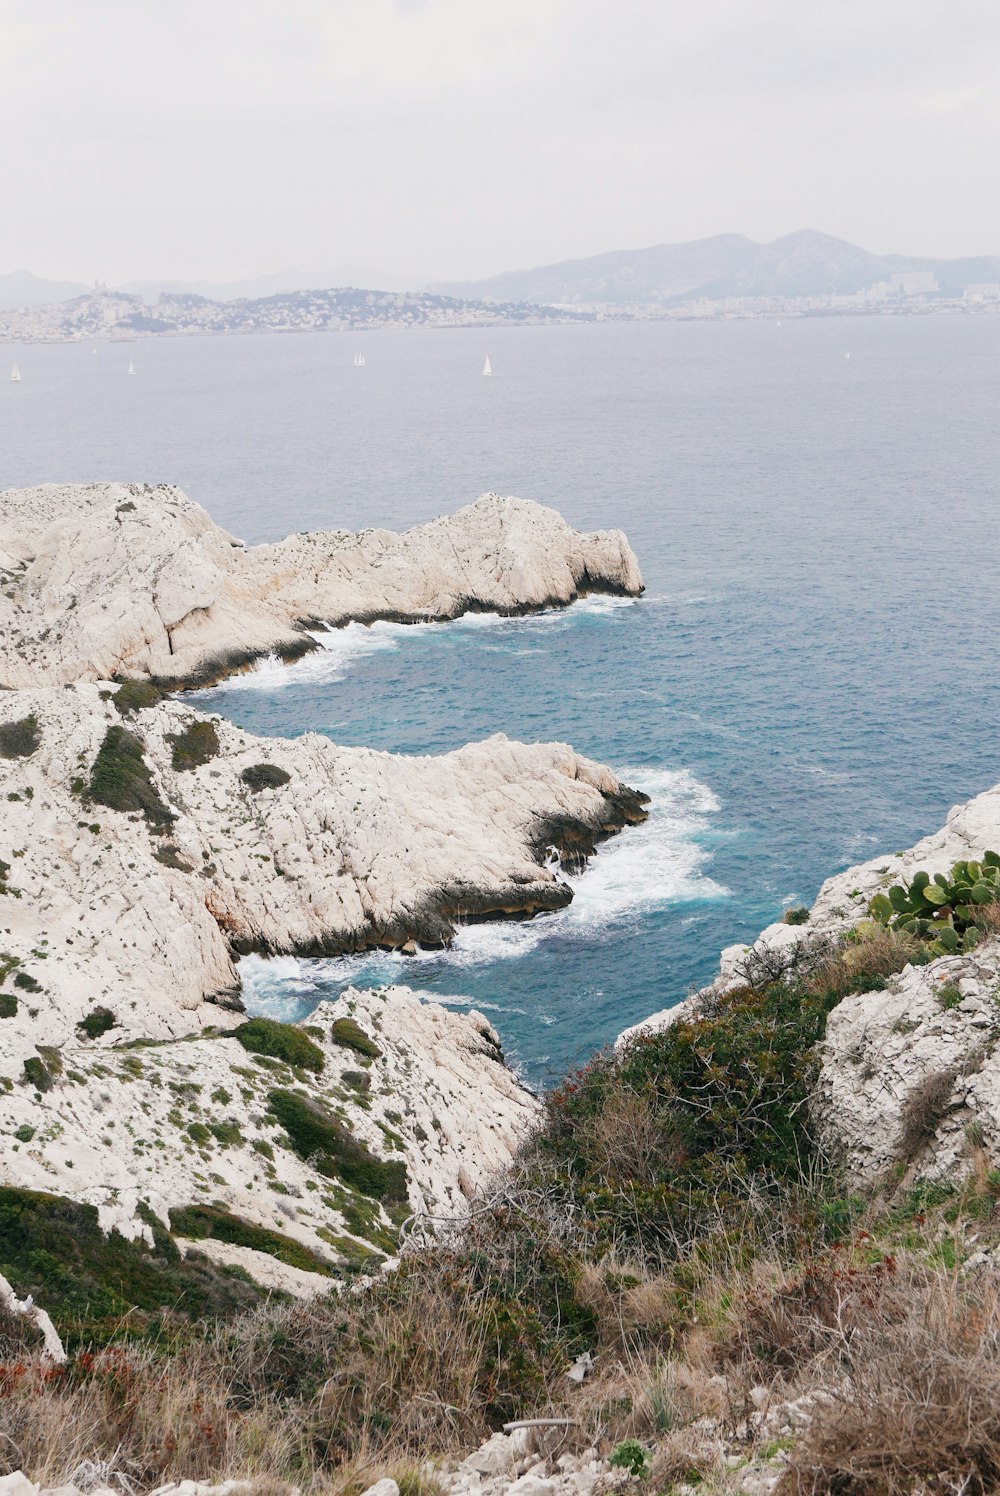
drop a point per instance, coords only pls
(105, 313)
(805, 274)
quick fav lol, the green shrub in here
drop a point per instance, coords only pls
(198, 744)
(350, 1035)
(631, 1456)
(136, 696)
(945, 910)
(24, 1133)
(200, 1222)
(36, 1073)
(8, 1005)
(799, 916)
(19, 739)
(280, 1041)
(97, 1022)
(98, 1287)
(316, 1135)
(26, 982)
(264, 777)
(121, 779)
(170, 856)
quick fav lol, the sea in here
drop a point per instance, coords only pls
(811, 677)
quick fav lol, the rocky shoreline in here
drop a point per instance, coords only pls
(145, 847)
(113, 580)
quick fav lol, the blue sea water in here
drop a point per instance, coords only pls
(809, 679)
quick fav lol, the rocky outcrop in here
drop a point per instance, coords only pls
(109, 580)
(135, 893)
(910, 1074)
(189, 1130)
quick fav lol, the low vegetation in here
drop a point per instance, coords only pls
(96, 1022)
(136, 696)
(264, 777)
(280, 1041)
(121, 779)
(20, 739)
(350, 1035)
(673, 1216)
(946, 910)
(318, 1136)
(198, 744)
(201, 1222)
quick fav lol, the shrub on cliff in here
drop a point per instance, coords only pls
(264, 777)
(121, 779)
(20, 739)
(280, 1041)
(318, 1136)
(136, 696)
(202, 1222)
(351, 1035)
(198, 744)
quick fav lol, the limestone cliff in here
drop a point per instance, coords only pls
(112, 579)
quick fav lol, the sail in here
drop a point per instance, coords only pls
(361, 361)
(131, 367)
(15, 373)
(487, 367)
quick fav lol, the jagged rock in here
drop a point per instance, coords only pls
(384, 1487)
(353, 849)
(115, 579)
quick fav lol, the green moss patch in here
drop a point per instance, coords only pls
(198, 744)
(200, 1222)
(280, 1041)
(317, 1136)
(122, 780)
(350, 1035)
(19, 739)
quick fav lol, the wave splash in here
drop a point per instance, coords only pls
(341, 648)
(658, 865)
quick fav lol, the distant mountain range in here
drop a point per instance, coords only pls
(21, 288)
(806, 263)
(802, 264)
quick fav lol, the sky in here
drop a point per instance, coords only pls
(460, 138)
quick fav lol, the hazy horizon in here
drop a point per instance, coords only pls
(447, 139)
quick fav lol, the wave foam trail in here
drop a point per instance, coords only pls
(655, 866)
(341, 648)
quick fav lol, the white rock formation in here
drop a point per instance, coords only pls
(355, 848)
(112, 579)
(189, 1123)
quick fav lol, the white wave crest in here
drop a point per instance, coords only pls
(655, 866)
(341, 648)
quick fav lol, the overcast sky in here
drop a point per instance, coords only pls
(224, 138)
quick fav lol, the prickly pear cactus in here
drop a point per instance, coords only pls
(945, 910)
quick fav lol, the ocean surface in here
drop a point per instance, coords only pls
(811, 677)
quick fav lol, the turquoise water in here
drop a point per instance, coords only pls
(809, 679)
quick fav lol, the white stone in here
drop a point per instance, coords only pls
(385, 1487)
(17, 1484)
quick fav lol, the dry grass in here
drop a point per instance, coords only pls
(919, 1408)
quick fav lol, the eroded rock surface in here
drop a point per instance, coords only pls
(192, 1123)
(114, 579)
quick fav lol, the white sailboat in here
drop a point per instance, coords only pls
(359, 360)
(131, 367)
(487, 368)
(15, 374)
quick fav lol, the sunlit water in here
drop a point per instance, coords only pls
(810, 677)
